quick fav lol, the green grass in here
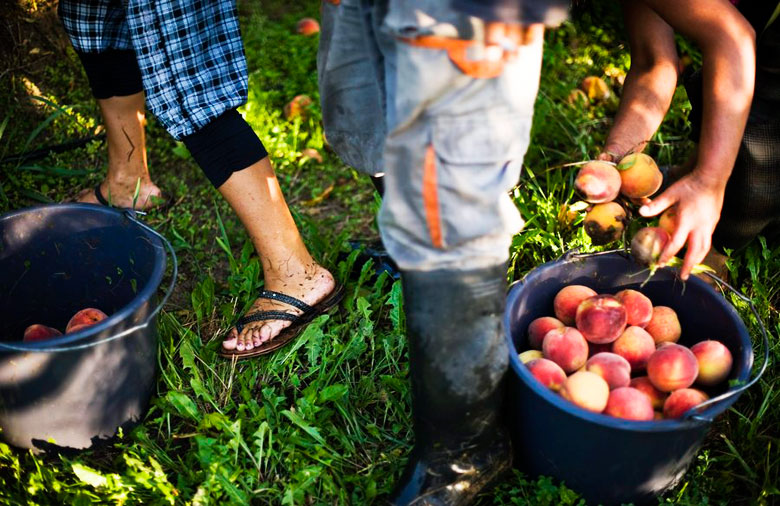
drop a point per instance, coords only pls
(327, 419)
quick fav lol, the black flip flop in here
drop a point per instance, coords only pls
(166, 203)
(298, 321)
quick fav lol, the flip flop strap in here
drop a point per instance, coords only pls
(99, 196)
(280, 297)
(265, 315)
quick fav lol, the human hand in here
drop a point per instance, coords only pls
(502, 40)
(699, 201)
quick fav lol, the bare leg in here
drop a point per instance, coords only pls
(125, 120)
(288, 267)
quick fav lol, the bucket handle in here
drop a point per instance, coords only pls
(692, 414)
(132, 216)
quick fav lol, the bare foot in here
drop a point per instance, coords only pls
(310, 286)
(119, 195)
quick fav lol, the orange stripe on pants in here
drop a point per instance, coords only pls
(431, 197)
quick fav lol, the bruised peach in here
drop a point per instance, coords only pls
(682, 400)
(598, 182)
(547, 372)
(297, 107)
(307, 26)
(639, 308)
(644, 385)
(640, 176)
(601, 318)
(668, 220)
(605, 223)
(664, 326)
(672, 367)
(714, 362)
(615, 370)
(596, 88)
(648, 243)
(87, 316)
(630, 404)
(567, 299)
(587, 390)
(539, 328)
(529, 355)
(38, 332)
(566, 347)
(635, 345)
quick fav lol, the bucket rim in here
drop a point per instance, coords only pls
(706, 415)
(141, 297)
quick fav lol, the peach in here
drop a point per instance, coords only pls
(647, 245)
(664, 326)
(566, 347)
(539, 328)
(629, 403)
(307, 26)
(640, 176)
(714, 362)
(668, 220)
(76, 328)
(577, 96)
(682, 400)
(38, 332)
(672, 367)
(615, 370)
(605, 223)
(529, 355)
(598, 182)
(596, 88)
(644, 385)
(297, 107)
(547, 372)
(587, 390)
(638, 306)
(87, 316)
(635, 345)
(566, 302)
(601, 318)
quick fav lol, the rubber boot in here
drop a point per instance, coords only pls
(457, 361)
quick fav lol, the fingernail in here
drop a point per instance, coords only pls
(644, 210)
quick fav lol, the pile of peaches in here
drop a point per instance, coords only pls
(82, 319)
(618, 355)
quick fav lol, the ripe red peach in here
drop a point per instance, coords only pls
(640, 176)
(539, 328)
(668, 220)
(307, 26)
(714, 362)
(605, 223)
(644, 385)
(615, 370)
(672, 367)
(639, 308)
(529, 355)
(38, 332)
(629, 403)
(297, 107)
(87, 316)
(567, 299)
(596, 88)
(647, 245)
(682, 400)
(664, 326)
(547, 372)
(635, 345)
(601, 318)
(587, 390)
(566, 347)
(598, 182)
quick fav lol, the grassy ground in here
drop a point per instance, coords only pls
(326, 420)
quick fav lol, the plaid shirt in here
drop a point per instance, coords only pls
(190, 52)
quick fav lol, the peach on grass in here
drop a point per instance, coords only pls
(635, 345)
(566, 347)
(605, 223)
(644, 385)
(615, 370)
(639, 308)
(596, 88)
(664, 325)
(307, 26)
(567, 299)
(577, 96)
(714, 360)
(539, 328)
(629, 403)
(601, 318)
(547, 372)
(639, 175)
(682, 400)
(87, 316)
(587, 390)
(598, 182)
(672, 367)
(529, 355)
(297, 107)
(38, 332)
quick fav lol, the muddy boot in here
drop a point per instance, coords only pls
(457, 359)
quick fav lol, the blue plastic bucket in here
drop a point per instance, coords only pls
(609, 460)
(73, 391)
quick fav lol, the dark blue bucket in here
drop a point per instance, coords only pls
(606, 459)
(73, 391)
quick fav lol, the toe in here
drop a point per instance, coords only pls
(231, 341)
(256, 338)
